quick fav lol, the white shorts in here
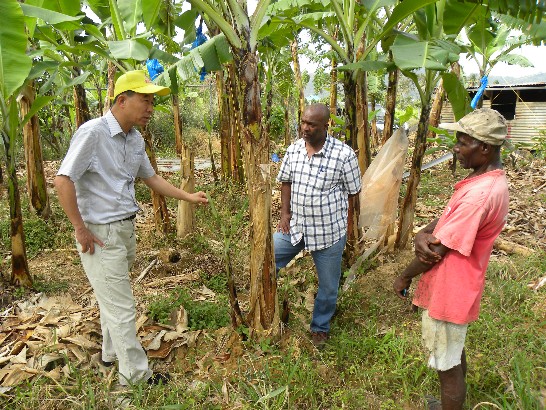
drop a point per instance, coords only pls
(444, 341)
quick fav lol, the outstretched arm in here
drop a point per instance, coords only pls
(162, 187)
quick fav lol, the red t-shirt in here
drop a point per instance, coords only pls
(475, 215)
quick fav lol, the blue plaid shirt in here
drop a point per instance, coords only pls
(319, 191)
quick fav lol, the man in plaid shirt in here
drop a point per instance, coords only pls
(318, 175)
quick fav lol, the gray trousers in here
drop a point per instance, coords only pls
(108, 272)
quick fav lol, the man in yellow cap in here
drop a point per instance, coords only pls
(96, 188)
(453, 251)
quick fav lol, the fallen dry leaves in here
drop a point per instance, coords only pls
(44, 335)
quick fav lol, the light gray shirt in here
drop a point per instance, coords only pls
(103, 163)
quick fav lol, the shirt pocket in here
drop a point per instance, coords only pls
(135, 160)
(326, 179)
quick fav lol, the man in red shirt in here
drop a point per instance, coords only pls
(453, 252)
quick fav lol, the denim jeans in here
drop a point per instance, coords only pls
(328, 264)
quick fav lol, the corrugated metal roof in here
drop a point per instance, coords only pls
(528, 86)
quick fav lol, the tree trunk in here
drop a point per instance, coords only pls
(407, 212)
(80, 104)
(161, 213)
(36, 182)
(177, 124)
(436, 109)
(363, 130)
(333, 89)
(20, 275)
(238, 171)
(211, 154)
(299, 83)
(223, 109)
(111, 84)
(263, 316)
(268, 105)
(287, 136)
(350, 89)
(186, 212)
(390, 105)
(374, 135)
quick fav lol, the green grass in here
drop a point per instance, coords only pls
(374, 359)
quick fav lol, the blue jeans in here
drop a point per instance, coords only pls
(328, 264)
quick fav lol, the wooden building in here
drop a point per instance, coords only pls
(523, 106)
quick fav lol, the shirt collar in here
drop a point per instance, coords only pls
(324, 151)
(113, 124)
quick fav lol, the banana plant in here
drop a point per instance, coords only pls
(15, 68)
(241, 33)
(491, 42)
(429, 48)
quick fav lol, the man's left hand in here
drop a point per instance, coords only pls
(401, 285)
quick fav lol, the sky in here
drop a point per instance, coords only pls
(535, 54)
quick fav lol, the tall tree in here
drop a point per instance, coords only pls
(15, 66)
(241, 31)
(36, 183)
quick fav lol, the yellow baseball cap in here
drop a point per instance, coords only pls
(138, 82)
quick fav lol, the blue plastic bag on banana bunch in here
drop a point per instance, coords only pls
(381, 186)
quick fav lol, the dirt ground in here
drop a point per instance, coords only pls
(167, 267)
(525, 226)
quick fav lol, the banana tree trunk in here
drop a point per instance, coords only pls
(333, 89)
(287, 134)
(186, 212)
(159, 204)
(407, 213)
(80, 105)
(374, 135)
(436, 109)
(177, 118)
(238, 171)
(350, 86)
(20, 275)
(111, 83)
(36, 183)
(263, 316)
(299, 83)
(185, 219)
(268, 104)
(363, 130)
(223, 109)
(390, 105)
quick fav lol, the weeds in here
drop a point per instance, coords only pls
(201, 314)
(373, 360)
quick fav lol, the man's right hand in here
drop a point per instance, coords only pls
(87, 240)
(423, 252)
(284, 224)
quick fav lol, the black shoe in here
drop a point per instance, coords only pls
(159, 378)
(106, 364)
